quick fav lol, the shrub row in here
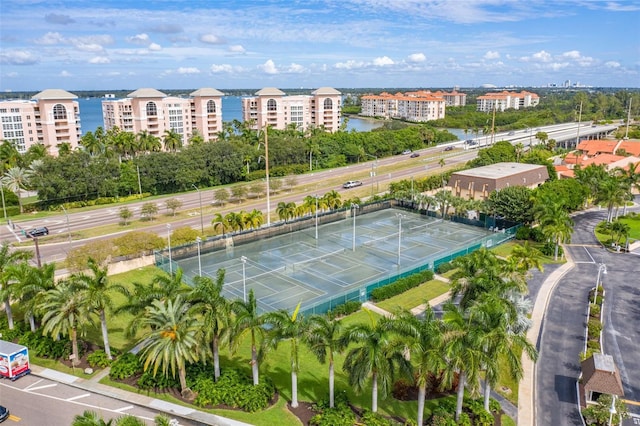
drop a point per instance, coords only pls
(46, 347)
(232, 389)
(345, 309)
(445, 267)
(400, 286)
(526, 232)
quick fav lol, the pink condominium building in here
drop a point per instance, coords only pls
(50, 118)
(413, 106)
(153, 111)
(500, 101)
(271, 106)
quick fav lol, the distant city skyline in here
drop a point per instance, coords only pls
(103, 45)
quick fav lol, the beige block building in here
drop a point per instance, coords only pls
(412, 106)
(478, 183)
(153, 111)
(50, 118)
(271, 106)
(501, 101)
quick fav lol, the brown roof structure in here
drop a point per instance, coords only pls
(600, 374)
(497, 176)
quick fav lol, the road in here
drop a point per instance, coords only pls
(36, 401)
(562, 337)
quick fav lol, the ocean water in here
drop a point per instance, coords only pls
(91, 114)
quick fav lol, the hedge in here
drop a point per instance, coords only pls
(401, 285)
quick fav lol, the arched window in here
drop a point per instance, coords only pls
(59, 112)
(152, 109)
(328, 104)
(211, 107)
(272, 105)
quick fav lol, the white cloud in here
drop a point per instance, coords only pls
(90, 47)
(236, 48)
(222, 68)
(382, 61)
(50, 38)
(612, 64)
(295, 68)
(211, 39)
(99, 60)
(417, 57)
(492, 55)
(188, 70)
(350, 65)
(18, 57)
(139, 39)
(541, 56)
(12, 74)
(269, 67)
(155, 47)
(558, 65)
(572, 54)
(65, 73)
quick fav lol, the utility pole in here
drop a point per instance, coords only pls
(493, 125)
(579, 120)
(626, 133)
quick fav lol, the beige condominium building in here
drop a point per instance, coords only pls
(153, 111)
(271, 106)
(50, 118)
(412, 106)
(499, 101)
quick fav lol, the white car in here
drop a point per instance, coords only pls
(351, 184)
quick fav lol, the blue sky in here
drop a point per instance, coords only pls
(174, 44)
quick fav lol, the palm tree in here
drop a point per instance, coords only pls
(248, 321)
(444, 199)
(374, 357)
(172, 140)
(90, 418)
(287, 327)
(286, 210)
(148, 142)
(555, 222)
(65, 312)
(332, 200)
(613, 192)
(220, 224)
(215, 311)
(254, 219)
(32, 284)
(424, 339)
(172, 340)
(16, 179)
(7, 258)
(96, 291)
(462, 350)
(325, 341)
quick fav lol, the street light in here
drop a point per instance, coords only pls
(354, 207)
(200, 198)
(4, 208)
(169, 243)
(373, 172)
(316, 197)
(399, 216)
(244, 279)
(198, 241)
(602, 268)
(68, 227)
(612, 410)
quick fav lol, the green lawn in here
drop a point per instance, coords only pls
(416, 296)
(633, 220)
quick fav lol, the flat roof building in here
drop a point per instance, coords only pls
(50, 118)
(271, 106)
(412, 106)
(478, 183)
(500, 101)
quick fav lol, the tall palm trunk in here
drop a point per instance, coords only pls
(461, 380)
(182, 374)
(216, 359)
(374, 393)
(32, 323)
(331, 385)
(7, 309)
(105, 333)
(422, 393)
(254, 361)
(487, 394)
(74, 346)
(294, 389)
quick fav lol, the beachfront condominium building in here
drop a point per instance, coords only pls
(271, 106)
(49, 118)
(154, 112)
(412, 106)
(500, 101)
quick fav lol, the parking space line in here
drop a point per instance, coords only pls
(42, 387)
(73, 398)
(33, 384)
(120, 410)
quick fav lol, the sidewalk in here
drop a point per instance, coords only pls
(527, 387)
(172, 410)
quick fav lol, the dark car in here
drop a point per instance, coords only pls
(449, 148)
(38, 232)
(4, 413)
(414, 155)
(511, 133)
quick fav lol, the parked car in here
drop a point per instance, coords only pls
(406, 152)
(351, 184)
(38, 232)
(415, 154)
(4, 414)
(511, 133)
(472, 142)
(449, 148)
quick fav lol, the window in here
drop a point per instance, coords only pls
(272, 105)
(328, 104)
(211, 107)
(152, 110)
(59, 112)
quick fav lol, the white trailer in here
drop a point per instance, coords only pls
(14, 360)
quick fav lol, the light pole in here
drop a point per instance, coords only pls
(612, 410)
(4, 208)
(244, 279)
(68, 227)
(316, 197)
(200, 199)
(400, 216)
(354, 207)
(373, 172)
(266, 163)
(169, 243)
(412, 189)
(602, 268)
(198, 241)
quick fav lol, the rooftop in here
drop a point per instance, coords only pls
(54, 94)
(147, 93)
(499, 170)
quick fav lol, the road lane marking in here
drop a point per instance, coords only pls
(14, 418)
(628, 401)
(120, 410)
(33, 384)
(73, 398)
(43, 387)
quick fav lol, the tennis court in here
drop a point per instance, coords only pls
(345, 259)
